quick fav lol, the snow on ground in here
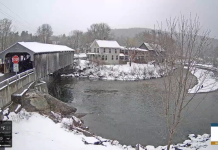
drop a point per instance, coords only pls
(80, 55)
(116, 72)
(38, 132)
(1, 74)
(205, 78)
(34, 131)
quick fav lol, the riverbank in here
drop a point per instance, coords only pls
(116, 72)
(52, 124)
(207, 81)
(34, 131)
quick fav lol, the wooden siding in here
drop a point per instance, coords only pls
(51, 62)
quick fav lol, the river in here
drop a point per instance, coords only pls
(125, 110)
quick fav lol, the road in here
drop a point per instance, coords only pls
(5, 76)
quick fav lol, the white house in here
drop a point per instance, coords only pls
(105, 51)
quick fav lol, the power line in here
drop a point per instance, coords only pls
(7, 16)
(12, 18)
(15, 13)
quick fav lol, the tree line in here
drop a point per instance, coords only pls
(76, 39)
(80, 40)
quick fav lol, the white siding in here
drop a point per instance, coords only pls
(106, 53)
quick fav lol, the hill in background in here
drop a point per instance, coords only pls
(131, 32)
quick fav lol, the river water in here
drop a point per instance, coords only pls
(125, 110)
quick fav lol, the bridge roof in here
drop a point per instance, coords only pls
(34, 48)
(44, 48)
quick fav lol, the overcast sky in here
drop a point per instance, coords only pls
(67, 15)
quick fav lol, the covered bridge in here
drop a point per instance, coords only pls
(45, 58)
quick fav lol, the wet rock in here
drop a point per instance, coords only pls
(86, 133)
(35, 101)
(45, 103)
(80, 115)
(59, 106)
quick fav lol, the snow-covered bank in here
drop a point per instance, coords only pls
(116, 72)
(80, 55)
(38, 132)
(34, 131)
(207, 82)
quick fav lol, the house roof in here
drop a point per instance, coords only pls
(44, 48)
(157, 47)
(107, 44)
(121, 54)
(80, 55)
(151, 47)
(134, 48)
(33, 48)
(148, 46)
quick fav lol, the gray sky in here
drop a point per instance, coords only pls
(67, 15)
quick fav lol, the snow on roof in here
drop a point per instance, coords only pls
(92, 53)
(44, 48)
(157, 47)
(148, 46)
(154, 47)
(134, 48)
(80, 55)
(121, 54)
(107, 44)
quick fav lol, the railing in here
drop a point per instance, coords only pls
(16, 77)
(14, 83)
(206, 67)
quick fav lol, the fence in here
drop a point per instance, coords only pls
(14, 83)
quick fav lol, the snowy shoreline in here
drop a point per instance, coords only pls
(136, 72)
(207, 82)
(123, 72)
(34, 131)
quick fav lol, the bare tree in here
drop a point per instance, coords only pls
(183, 43)
(215, 57)
(44, 32)
(5, 29)
(130, 42)
(99, 31)
(75, 38)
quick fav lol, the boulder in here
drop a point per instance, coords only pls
(59, 106)
(45, 103)
(35, 101)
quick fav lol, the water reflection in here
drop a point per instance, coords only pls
(125, 110)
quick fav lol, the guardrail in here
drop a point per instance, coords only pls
(207, 67)
(14, 83)
(15, 77)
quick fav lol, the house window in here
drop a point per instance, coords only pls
(126, 57)
(97, 50)
(94, 50)
(115, 50)
(117, 57)
(102, 57)
(105, 57)
(112, 58)
(104, 50)
(109, 50)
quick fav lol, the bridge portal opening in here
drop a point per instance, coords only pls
(25, 62)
